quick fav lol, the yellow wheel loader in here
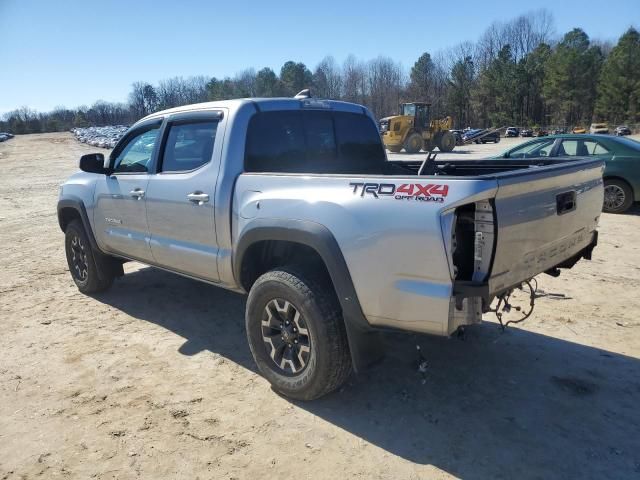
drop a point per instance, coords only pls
(414, 130)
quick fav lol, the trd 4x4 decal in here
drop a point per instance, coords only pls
(429, 192)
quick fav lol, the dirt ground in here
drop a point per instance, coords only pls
(154, 378)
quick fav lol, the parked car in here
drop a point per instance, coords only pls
(622, 130)
(480, 135)
(7, 134)
(331, 241)
(105, 137)
(621, 156)
(579, 130)
(512, 132)
(526, 132)
(540, 132)
(601, 128)
(559, 131)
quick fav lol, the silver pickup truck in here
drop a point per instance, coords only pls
(295, 202)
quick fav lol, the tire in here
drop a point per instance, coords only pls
(89, 275)
(281, 296)
(413, 143)
(497, 140)
(447, 142)
(618, 196)
(394, 149)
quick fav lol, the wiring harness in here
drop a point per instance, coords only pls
(504, 303)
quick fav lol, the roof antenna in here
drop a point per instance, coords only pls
(306, 93)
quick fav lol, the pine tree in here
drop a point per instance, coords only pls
(619, 85)
(422, 79)
(571, 78)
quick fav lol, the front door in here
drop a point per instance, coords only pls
(120, 209)
(180, 197)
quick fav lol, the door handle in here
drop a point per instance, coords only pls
(137, 193)
(565, 202)
(198, 197)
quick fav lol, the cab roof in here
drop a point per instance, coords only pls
(263, 104)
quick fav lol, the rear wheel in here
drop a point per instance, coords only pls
(296, 334)
(447, 142)
(413, 143)
(618, 196)
(89, 274)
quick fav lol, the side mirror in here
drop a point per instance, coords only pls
(93, 163)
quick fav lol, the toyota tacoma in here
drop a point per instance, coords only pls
(294, 202)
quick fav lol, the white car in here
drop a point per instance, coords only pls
(598, 128)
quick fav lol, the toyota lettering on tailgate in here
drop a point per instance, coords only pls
(429, 192)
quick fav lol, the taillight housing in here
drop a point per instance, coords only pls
(473, 241)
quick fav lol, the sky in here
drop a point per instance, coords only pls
(74, 52)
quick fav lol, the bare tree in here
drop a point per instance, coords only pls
(386, 80)
(354, 80)
(327, 79)
(523, 34)
(246, 83)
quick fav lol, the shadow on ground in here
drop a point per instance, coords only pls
(493, 405)
(634, 210)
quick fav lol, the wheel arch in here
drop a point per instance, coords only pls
(364, 343)
(72, 208)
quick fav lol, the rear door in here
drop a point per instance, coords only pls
(581, 147)
(120, 213)
(180, 197)
(544, 216)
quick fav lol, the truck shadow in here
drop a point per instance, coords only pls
(494, 405)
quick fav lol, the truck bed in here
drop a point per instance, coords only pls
(490, 167)
(424, 250)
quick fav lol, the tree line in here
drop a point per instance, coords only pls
(517, 73)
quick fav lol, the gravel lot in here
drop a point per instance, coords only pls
(154, 378)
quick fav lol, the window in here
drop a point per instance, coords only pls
(312, 141)
(409, 109)
(581, 148)
(532, 150)
(598, 149)
(360, 148)
(188, 146)
(136, 154)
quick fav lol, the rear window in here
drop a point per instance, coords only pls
(312, 141)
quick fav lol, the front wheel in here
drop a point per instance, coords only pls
(446, 142)
(618, 196)
(89, 273)
(414, 143)
(394, 148)
(297, 335)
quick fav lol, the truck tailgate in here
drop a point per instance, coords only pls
(544, 216)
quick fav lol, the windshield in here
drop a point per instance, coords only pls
(532, 150)
(409, 109)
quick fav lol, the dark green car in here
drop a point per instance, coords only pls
(621, 155)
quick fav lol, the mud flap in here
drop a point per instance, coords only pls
(365, 345)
